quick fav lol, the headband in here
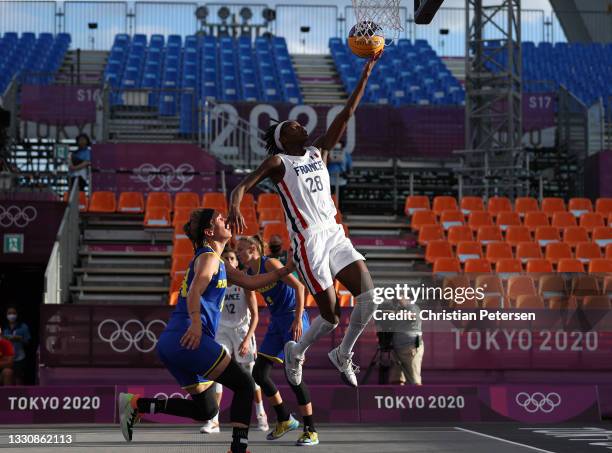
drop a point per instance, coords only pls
(277, 132)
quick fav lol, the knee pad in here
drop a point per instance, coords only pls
(301, 393)
(261, 374)
(206, 404)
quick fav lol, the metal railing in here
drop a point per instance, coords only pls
(64, 254)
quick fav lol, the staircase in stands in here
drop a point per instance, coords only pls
(319, 81)
(83, 66)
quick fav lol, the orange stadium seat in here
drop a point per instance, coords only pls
(181, 216)
(587, 251)
(552, 286)
(602, 236)
(216, 201)
(609, 251)
(579, 206)
(526, 251)
(570, 265)
(131, 202)
(477, 266)
(451, 218)
(267, 216)
(430, 233)
(248, 201)
(420, 218)
(444, 203)
(493, 289)
(176, 283)
(186, 200)
(562, 303)
(252, 227)
(180, 263)
(520, 285)
(438, 249)
(446, 266)
(469, 204)
(182, 247)
(458, 234)
(416, 203)
(467, 250)
(248, 212)
(508, 266)
(584, 285)
(173, 298)
(276, 228)
(157, 218)
(269, 201)
(610, 219)
(607, 286)
(556, 251)
(498, 251)
(309, 303)
(490, 233)
(563, 219)
(591, 220)
(477, 219)
(456, 281)
(533, 220)
(345, 300)
(82, 200)
(539, 266)
(603, 206)
(103, 202)
(552, 205)
(574, 235)
(600, 266)
(507, 219)
(529, 301)
(596, 303)
(179, 232)
(523, 205)
(496, 205)
(335, 200)
(516, 234)
(547, 235)
(159, 200)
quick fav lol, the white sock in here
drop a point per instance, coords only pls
(259, 408)
(218, 388)
(216, 418)
(317, 329)
(360, 316)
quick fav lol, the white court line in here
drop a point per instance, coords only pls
(504, 440)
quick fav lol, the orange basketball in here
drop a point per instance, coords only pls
(366, 39)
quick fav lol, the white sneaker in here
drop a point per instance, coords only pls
(128, 416)
(210, 427)
(346, 367)
(262, 422)
(293, 364)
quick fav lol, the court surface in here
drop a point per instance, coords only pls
(467, 438)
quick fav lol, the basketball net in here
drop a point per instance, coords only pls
(382, 13)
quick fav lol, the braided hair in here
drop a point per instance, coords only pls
(269, 138)
(199, 220)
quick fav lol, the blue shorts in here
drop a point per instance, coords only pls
(279, 333)
(189, 366)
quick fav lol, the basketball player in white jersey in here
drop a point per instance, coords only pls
(236, 333)
(321, 250)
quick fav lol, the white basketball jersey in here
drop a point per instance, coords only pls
(235, 311)
(305, 192)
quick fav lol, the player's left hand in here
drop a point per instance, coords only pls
(297, 329)
(244, 348)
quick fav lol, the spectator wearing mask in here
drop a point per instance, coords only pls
(276, 249)
(6, 360)
(18, 334)
(79, 161)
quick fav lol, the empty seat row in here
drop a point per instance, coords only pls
(452, 265)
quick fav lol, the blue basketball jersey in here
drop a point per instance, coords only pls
(279, 296)
(211, 301)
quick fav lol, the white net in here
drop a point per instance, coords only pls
(377, 17)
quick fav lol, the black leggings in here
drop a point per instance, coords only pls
(261, 374)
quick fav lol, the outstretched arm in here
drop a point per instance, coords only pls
(329, 140)
(268, 168)
(254, 282)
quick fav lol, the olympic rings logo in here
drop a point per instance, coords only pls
(16, 216)
(164, 177)
(136, 339)
(538, 401)
(165, 396)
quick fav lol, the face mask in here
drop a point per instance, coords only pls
(275, 248)
(11, 318)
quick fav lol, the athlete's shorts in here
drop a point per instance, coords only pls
(189, 367)
(320, 255)
(231, 337)
(279, 333)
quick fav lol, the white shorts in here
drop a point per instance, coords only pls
(231, 337)
(320, 255)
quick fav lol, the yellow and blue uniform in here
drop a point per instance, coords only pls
(280, 299)
(191, 366)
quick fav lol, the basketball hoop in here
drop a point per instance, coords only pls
(372, 16)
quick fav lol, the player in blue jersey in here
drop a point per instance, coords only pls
(187, 346)
(288, 321)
